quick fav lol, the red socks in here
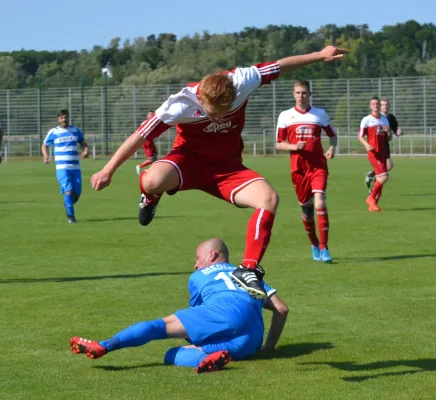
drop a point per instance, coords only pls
(258, 236)
(323, 227)
(309, 226)
(376, 191)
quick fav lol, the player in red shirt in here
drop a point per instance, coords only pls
(150, 151)
(375, 126)
(207, 153)
(299, 132)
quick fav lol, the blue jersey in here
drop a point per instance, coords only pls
(65, 142)
(213, 283)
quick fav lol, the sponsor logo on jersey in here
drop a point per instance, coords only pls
(380, 130)
(305, 132)
(221, 127)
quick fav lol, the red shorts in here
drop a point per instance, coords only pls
(308, 182)
(222, 181)
(378, 163)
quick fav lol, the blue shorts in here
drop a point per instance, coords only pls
(70, 180)
(239, 330)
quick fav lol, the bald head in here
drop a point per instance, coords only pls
(210, 252)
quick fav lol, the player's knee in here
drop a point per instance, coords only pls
(170, 356)
(383, 179)
(151, 182)
(320, 202)
(308, 211)
(270, 200)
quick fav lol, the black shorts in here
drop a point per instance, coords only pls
(388, 150)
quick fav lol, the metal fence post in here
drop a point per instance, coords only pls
(348, 110)
(254, 148)
(30, 146)
(135, 124)
(274, 115)
(70, 110)
(431, 140)
(39, 105)
(94, 150)
(424, 106)
(394, 102)
(8, 113)
(82, 101)
(264, 142)
(102, 114)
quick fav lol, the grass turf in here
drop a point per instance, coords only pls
(361, 328)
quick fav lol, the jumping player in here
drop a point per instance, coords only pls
(207, 153)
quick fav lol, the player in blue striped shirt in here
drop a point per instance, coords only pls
(222, 321)
(65, 139)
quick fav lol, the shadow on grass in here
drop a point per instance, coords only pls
(293, 350)
(386, 258)
(17, 202)
(115, 368)
(90, 278)
(128, 367)
(129, 218)
(420, 365)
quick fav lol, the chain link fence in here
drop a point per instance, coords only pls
(108, 114)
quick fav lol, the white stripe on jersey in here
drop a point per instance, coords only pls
(268, 69)
(67, 166)
(66, 148)
(149, 126)
(66, 158)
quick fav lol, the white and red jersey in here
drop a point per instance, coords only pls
(372, 127)
(215, 141)
(295, 125)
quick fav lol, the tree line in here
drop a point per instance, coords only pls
(404, 49)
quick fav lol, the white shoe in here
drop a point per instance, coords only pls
(138, 169)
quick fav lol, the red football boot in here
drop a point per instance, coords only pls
(92, 348)
(214, 362)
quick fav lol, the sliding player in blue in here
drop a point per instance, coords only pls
(65, 139)
(222, 323)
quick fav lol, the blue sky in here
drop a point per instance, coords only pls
(81, 24)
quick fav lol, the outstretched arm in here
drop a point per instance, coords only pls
(278, 321)
(149, 129)
(327, 54)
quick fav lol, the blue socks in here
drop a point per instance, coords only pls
(184, 357)
(69, 204)
(137, 335)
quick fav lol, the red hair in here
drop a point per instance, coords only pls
(217, 89)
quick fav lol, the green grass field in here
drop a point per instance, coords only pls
(361, 328)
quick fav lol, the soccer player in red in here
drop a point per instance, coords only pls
(375, 127)
(299, 132)
(150, 151)
(207, 153)
(395, 129)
